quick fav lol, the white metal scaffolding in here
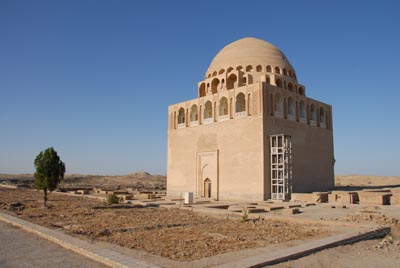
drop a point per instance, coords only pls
(281, 166)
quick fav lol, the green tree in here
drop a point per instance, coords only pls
(49, 172)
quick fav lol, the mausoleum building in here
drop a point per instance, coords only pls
(252, 134)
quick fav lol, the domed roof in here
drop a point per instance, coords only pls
(248, 51)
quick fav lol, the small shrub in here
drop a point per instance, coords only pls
(112, 199)
(245, 216)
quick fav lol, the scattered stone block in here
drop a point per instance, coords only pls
(235, 209)
(292, 206)
(82, 191)
(303, 205)
(275, 207)
(147, 196)
(255, 210)
(291, 211)
(343, 197)
(188, 196)
(395, 198)
(374, 198)
(395, 190)
(120, 192)
(173, 198)
(317, 197)
(125, 197)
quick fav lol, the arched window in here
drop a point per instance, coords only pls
(238, 68)
(284, 71)
(278, 82)
(313, 113)
(269, 69)
(209, 75)
(301, 91)
(214, 73)
(194, 115)
(259, 68)
(230, 69)
(202, 90)
(223, 106)
(249, 68)
(291, 108)
(290, 73)
(290, 87)
(277, 70)
(221, 71)
(249, 79)
(214, 85)
(278, 104)
(302, 110)
(240, 103)
(230, 83)
(181, 116)
(208, 110)
(244, 81)
(321, 115)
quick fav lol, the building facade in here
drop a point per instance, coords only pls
(219, 144)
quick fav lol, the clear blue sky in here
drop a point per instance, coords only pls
(94, 78)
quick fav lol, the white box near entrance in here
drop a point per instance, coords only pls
(188, 196)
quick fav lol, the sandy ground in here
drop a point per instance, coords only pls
(169, 232)
(367, 181)
(21, 249)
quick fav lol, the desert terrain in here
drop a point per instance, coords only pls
(147, 180)
(363, 181)
(136, 180)
(181, 234)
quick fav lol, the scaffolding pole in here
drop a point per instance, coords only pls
(281, 166)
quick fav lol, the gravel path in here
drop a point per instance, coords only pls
(21, 249)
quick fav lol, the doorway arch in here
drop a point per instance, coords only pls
(207, 188)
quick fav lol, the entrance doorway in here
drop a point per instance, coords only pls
(207, 188)
(207, 174)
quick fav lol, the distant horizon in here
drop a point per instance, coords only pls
(94, 79)
(94, 174)
(165, 175)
